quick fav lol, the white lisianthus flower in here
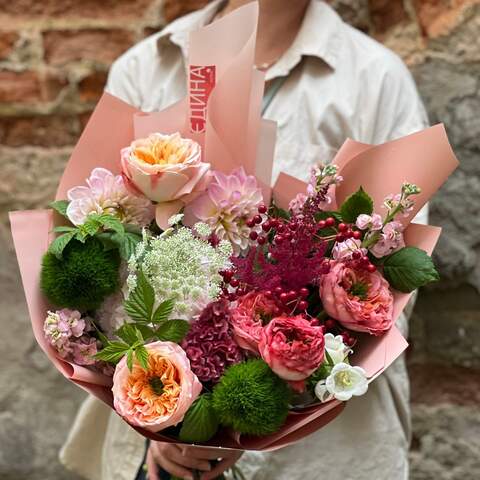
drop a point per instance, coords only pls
(335, 347)
(322, 393)
(346, 381)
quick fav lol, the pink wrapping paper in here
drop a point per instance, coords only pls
(233, 134)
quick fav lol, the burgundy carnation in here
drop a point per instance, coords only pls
(210, 345)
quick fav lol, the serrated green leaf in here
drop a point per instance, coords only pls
(127, 333)
(163, 311)
(356, 204)
(141, 354)
(129, 244)
(110, 222)
(58, 245)
(172, 330)
(200, 423)
(139, 305)
(91, 226)
(64, 229)
(147, 332)
(409, 268)
(130, 359)
(60, 206)
(113, 352)
(108, 240)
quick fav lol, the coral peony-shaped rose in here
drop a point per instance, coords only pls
(160, 396)
(253, 310)
(292, 347)
(166, 169)
(359, 300)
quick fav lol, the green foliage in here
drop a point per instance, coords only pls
(60, 206)
(251, 399)
(409, 268)
(200, 423)
(139, 305)
(172, 330)
(356, 204)
(83, 277)
(277, 212)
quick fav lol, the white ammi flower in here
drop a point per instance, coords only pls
(335, 347)
(346, 381)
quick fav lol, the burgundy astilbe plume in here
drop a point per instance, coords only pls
(209, 344)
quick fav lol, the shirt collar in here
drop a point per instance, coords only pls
(319, 36)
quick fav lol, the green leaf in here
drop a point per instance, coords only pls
(129, 244)
(200, 423)
(58, 245)
(63, 229)
(356, 204)
(277, 212)
(113, 352)
(103, 338)
(91, 226)
(146, 332)
(141, 355)
(130, 359)
(108, 240)
(172, 330)
(139, 305)
(60, 206)
(409, 268)
(110, 222)
(127, 332)
(163, 311)
(324, 215)
(329, 358)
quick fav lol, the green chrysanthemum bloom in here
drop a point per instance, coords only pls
(83, 277)
(251, 399)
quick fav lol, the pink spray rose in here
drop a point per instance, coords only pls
(167, 169)
(359, 300)
(292, 347)
(160, 396)
(247, 319)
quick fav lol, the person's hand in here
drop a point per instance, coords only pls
(180, 460)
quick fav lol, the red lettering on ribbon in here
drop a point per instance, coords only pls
(201, 82)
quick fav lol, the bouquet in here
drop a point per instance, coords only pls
(173, 283)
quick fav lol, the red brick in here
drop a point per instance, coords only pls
(108, 9)
(173, 9)
(44, 131)
(386, 13)
(29, 86)
(7, 42)
(63, 46)
(91, 87)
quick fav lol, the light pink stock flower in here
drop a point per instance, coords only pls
(167, 169)
(160, 396)
(292, 347)
(371, 222)
(247, 319)
(361, 301)
(296, 205)
(343, 250)
(228, 203)
(106, 193)
(390, 240)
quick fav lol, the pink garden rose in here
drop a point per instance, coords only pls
(292, 347)
(359, 300)
(160, 396)
(167, 169)
(247, 319)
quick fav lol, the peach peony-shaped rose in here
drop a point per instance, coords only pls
(359, 300)
(292, 347)
(159, 397)
(167, 169)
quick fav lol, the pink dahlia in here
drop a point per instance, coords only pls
(253, 310)
(107, 193)
(228, 203)
(210, 345)
(358, 299)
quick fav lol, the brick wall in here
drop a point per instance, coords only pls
(54, 58)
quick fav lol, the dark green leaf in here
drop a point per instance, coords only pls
(200, 423)
(58, 245)
(60, 206)
(130, 359)
(113, 352)
(324, 215)
(147, 332)
(139, 304)
(409, 269)
(329, 358)
(172, 330)
(129, 244)
(141, 354)
(108, 240)
(356, 204)
(105, 341)
(163, 311)
(127, 333)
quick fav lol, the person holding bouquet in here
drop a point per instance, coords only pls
(326, 82)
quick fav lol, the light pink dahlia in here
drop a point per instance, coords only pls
(107, 193)
(228, 203)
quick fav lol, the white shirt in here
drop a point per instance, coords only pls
(339, 83)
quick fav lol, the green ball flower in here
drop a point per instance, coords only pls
(251, 399)
(83, 277)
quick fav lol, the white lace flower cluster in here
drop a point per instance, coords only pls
(182, 267)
